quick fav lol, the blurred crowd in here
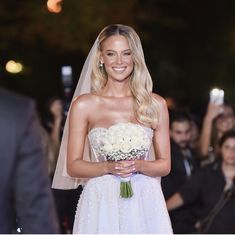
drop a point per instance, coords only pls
(53, 120)
(199, 190)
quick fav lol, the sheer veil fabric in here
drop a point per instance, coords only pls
(61, 178)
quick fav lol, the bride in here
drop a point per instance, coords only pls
(116, 141)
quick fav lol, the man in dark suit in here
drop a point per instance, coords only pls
(25, 195)
(183, 165)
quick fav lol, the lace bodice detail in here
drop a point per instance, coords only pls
(121, 140)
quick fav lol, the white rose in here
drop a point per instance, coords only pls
(116, 147)
(135, 143)
(126, 148)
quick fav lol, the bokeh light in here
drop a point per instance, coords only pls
(54, 6)
(13, 67)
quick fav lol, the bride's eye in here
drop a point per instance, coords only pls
(110, 54)
(127, 53)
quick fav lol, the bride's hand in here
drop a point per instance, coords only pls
(138, 165)
(122, 168)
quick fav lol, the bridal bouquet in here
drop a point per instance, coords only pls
(125, 141)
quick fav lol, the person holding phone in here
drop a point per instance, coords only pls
(219, 118)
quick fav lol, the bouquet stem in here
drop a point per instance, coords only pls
(126, 189)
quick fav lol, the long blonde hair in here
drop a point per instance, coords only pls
(145, 106)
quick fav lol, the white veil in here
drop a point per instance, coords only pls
(61, 178)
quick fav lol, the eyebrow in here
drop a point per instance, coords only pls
(110, 50)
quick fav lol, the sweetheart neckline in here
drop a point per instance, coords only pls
(107, 128)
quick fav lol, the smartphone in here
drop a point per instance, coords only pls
(217, 96)
(67, 81)
(67, 76)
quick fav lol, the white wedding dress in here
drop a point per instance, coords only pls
(101, 209)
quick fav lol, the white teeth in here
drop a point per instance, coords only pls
(119, 69)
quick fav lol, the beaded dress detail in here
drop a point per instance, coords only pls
(100, 208)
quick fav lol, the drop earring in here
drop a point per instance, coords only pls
(101, 65)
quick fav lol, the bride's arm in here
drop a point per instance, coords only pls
(81, 109)
(161, 143)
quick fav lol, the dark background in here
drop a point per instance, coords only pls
(189, 44)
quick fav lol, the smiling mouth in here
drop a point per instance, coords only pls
(119, 69)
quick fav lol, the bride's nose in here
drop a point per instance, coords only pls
(119, 59)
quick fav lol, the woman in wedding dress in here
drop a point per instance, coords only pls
(116, 141)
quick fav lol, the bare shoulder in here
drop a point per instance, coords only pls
(84, 99)
(85, 103)
(160, 100)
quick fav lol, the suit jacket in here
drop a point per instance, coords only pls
(25, 193)
(178, 176)
(183, 218)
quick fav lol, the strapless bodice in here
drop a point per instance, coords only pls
(120, 140)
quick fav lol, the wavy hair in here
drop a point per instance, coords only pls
(145, 106)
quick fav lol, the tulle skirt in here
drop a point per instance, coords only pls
(101, 209)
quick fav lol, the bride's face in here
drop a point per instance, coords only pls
(116, 56)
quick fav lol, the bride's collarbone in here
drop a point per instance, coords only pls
(110, 109)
